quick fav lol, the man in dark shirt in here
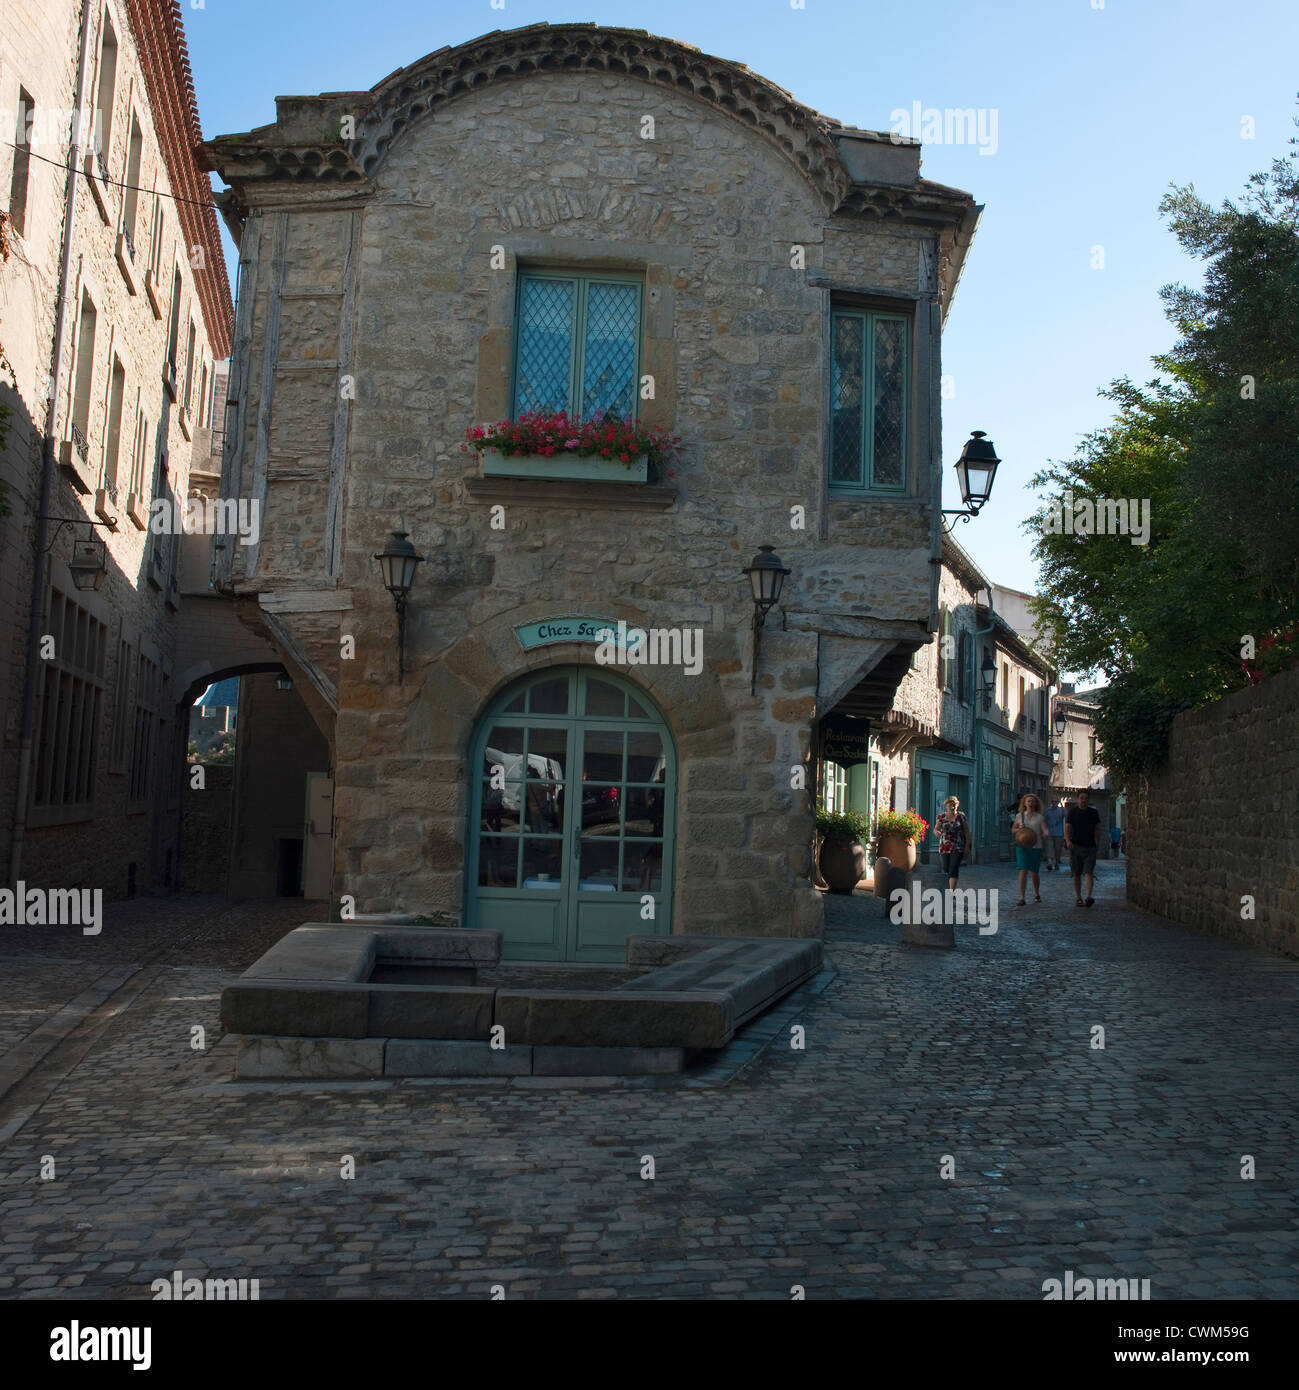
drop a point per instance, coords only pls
(1081, 823)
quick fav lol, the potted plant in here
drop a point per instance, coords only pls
(842, 855)
(898, 833)
(551, 444)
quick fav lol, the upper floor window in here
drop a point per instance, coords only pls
(155, 240)
(107, 90)
(964, 669)
(577, 344)
(868, 401)
(84, 377)
(20, 172)
(131, 193)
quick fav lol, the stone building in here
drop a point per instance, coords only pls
(114, 306)
(970, 719)
(594, 219)
(1012, 731)
(1079, 762)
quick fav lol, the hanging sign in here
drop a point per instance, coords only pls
(576, 628)
(845, 741)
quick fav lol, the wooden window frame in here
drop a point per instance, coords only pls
(583, 278)
(866, 424)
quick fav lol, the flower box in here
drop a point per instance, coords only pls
(564, 466)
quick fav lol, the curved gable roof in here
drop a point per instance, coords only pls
(412, 92)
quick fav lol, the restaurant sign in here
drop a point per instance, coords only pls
(577, 629)
(845, 741)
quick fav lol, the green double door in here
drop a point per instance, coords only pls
(572, 818)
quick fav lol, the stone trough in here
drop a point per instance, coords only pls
(352, 1002)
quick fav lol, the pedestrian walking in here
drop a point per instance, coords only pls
(1054, 815)
(953, 831)
(1081, 826)
(1029, 831)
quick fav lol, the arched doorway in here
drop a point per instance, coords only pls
(572, 817)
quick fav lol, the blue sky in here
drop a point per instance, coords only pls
(1097, 111)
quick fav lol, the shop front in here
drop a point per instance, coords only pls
(573, 816)
(995, 793)
(938, 776)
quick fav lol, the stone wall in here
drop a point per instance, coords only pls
(1215, 825)
(205, 854)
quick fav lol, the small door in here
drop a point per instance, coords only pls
(318, 836)
(571, 839)
(937, 796)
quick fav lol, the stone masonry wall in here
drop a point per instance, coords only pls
(1214, 826)
(400, 295)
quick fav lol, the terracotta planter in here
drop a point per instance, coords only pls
(843, 863)
(899, 850)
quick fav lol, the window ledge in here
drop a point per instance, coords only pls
(169, 379)
(151, 290)
(858, 497)
(96, 177)
(126, 262)
(182, 416)
(75, 467)
(550, 492)
(136, 510)
(106, 506)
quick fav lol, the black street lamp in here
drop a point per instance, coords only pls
(988, 675)
(766, 579)
(975, 471)
(1061, 721)
(397, 563)
(89, 562)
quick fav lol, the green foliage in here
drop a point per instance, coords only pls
(909, 823)
(1213, 444)
(1133, 724)
(843, 825)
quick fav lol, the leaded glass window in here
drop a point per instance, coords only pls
(868, 401)
(578, 342)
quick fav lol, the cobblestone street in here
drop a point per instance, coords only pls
(774, 1167)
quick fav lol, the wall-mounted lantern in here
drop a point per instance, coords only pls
(397, 564)
(766, 579)
(89, 562)
(1061, 721)
(975, 471)
(988, 675)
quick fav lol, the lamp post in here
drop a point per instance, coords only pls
(397, 563)
(988, 675)
(1061, 721)
(975, 471)
(766, 579)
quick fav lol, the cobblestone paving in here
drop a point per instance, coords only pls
(773, 1167)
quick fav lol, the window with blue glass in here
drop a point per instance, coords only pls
(577, 344)
(869, 391)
